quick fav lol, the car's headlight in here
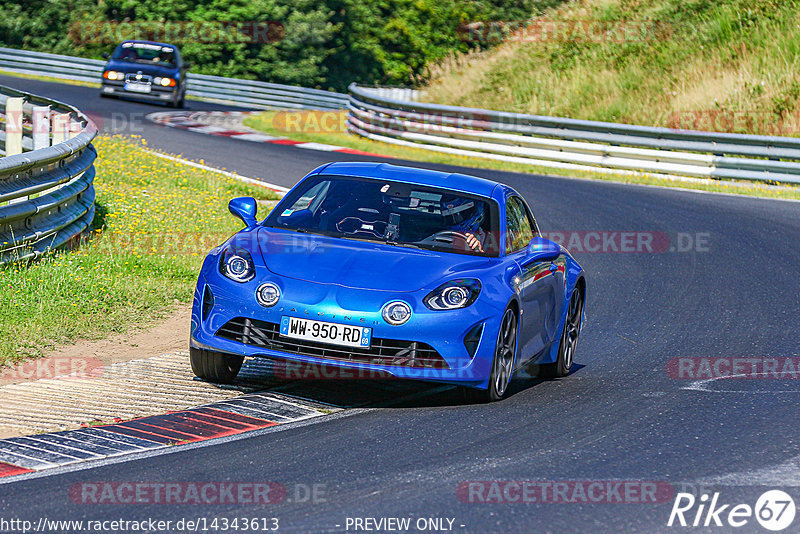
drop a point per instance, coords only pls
(163, 82)
(454, 294)
(113, 75)
(237, 264)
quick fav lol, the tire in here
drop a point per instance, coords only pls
(215, 366)
(503, 363)
(569, 339)
(178, 101)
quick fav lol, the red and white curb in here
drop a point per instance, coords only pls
(156, 403)
(207, 122)
(250, 412)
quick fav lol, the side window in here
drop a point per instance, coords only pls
(531, 220)
(312, 198)
(520, 229)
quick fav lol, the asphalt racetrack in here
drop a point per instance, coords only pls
(673, 277)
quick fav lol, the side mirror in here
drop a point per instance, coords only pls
(544, 249)
(105, 55)
(245, 208)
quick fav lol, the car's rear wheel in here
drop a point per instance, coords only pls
(503, 363)
(215, 366)
(569, 339)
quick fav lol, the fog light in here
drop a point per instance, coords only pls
(268, 294)
(396, 313)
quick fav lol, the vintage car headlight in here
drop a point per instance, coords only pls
(113, 75)
(268, 294)
(164, 82)
(237, 264)
(396, 312)
(454, 294)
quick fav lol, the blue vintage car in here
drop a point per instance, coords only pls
(146, 70)
(402, 271)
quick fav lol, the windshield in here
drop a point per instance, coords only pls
(391, 212)
(145, 53)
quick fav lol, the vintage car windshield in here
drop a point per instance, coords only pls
(145, 53)
(392, 212)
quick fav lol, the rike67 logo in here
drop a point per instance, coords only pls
(774, 510)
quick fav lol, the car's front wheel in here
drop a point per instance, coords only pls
(503, 363)
(569, 339)
(215, 366)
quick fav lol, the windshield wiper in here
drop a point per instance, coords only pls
(401, 244)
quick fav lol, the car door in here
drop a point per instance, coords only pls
(541, 281)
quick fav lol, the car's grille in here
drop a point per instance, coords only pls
(131, 78)
(381, 352)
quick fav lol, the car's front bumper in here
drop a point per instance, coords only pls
(444, 331)
(156, 94)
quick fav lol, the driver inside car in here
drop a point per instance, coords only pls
(467, 217)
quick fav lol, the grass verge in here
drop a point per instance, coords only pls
(155, 221)
(304, 126)
(728, 65)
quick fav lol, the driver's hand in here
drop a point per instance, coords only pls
(473, 242)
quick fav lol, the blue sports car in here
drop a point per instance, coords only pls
(400, 271)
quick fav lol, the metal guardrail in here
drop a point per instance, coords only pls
(570, 143)
(247, 93)
(46, 193)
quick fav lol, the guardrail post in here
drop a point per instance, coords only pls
(41, 127)
(14, 125)
(75, 128)
(60, 126)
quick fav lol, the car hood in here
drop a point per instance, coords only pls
(150, 70)
(360, 264)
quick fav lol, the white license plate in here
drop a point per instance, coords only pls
(334, 334)
(137, 87)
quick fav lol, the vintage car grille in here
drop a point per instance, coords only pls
(382, 352)
(131, 78)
